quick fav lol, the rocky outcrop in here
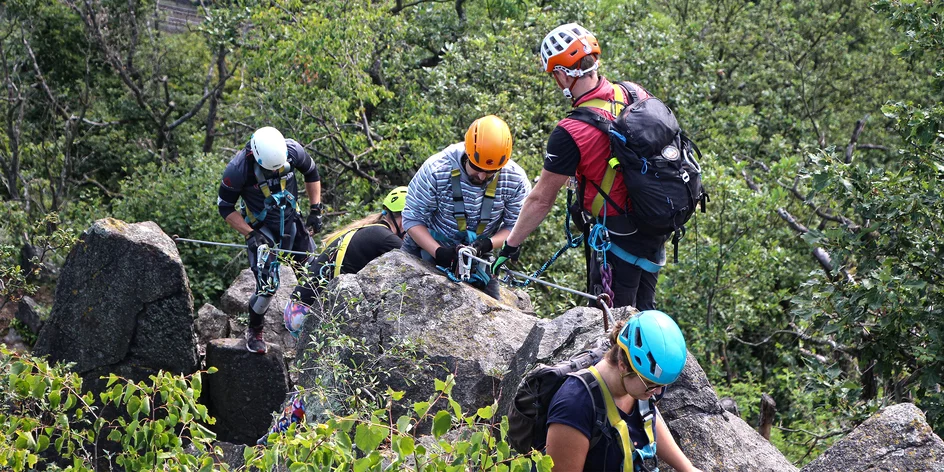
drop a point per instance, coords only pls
(897, 438)
(245, 391)
(122, 305)
(235, 302)
(399, 302)
(714, 439)
(29, 313)
(211, 324)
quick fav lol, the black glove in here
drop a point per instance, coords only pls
(446, 256)
(507, 253)
(256, 239)
(482, 246)
(314, 221)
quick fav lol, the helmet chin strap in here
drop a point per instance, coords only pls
(393, 219)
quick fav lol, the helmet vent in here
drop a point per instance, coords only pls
(637, 338)
(652, 363)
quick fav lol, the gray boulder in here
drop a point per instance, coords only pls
(212, 324)
(714, 439)
(246, 391)
(897, 438)
(398, 303)
(122, 305)
(235, 301)
(30, 314)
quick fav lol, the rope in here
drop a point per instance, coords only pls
(600, 300)
(241, 246)
(571, 242)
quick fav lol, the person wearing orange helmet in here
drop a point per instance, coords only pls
(626, 264)
(469, 194)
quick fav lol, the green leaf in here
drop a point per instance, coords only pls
(421, 407)
(441, 423)
(394, 394)
(485, 412)
(368, 436)
(407, 445)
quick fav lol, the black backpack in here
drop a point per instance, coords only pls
(527, 415)
(657, 162)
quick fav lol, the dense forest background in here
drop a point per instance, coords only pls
(814, 277)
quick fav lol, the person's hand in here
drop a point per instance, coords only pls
(507, 253)
(256, 239)
(314, 222)
(482, 246)
(446, 256)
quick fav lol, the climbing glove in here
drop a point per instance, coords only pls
(482, 246)
(446, 256)
(314, 221)
(256, 239)
(507, 253)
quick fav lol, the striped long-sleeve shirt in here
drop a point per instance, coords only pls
(429, 200)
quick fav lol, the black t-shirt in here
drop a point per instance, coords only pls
(367, 244)
(562, 155)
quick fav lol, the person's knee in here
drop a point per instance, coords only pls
(259, 303)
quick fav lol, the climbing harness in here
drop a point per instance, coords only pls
(458, 205)
(603, 300)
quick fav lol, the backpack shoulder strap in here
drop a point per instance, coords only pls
(647, 412)
(599, 412)
(615, 420)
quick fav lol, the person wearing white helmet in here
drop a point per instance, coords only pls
(263, 175)
(628, 266)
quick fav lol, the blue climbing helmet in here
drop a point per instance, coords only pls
(654, 345)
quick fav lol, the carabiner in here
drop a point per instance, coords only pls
(464, 265)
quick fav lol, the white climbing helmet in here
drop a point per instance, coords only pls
(564, 47)
(268, 147)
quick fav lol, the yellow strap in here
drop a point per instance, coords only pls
(489, 194)
(342, 247)
(605, 186)
(614, 107)
(612, 414)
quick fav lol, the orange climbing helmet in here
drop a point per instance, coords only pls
(488, 143)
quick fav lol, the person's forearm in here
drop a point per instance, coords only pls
(236, 220)
(424, 239)
(499, 237)
(313, 189)
(532, 214)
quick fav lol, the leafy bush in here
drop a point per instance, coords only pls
(181, 198)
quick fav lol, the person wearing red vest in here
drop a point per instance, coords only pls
(624, 263)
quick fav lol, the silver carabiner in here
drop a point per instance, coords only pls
(464, 266)
(262, 256)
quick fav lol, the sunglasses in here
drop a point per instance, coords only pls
(650, 387)
(478, 169)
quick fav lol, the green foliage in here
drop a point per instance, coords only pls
(181, 198)
(50, 422)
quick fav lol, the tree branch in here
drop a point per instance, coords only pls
(859, 126)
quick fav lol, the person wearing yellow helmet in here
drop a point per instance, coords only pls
(347, 251)
(469, 194)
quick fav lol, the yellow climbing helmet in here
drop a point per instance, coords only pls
(395, 200)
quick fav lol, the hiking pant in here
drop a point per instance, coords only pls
(631, 285)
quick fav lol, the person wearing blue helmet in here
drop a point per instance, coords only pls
(648, 352)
